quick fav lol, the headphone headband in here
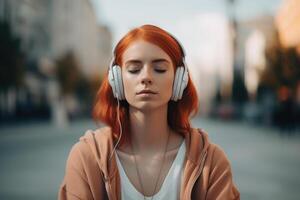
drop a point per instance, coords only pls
(182, 50)
(179, 44)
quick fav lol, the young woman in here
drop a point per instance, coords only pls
(148, 150)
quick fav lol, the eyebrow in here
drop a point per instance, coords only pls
(153, 61)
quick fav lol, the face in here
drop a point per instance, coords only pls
(146, 66)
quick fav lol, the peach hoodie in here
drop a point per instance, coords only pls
(89, 176)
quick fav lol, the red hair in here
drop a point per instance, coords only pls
(105, 107)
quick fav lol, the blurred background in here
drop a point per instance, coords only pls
(243, 56)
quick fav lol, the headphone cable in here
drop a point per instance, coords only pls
(121, 131)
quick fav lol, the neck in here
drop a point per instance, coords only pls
(149, 130)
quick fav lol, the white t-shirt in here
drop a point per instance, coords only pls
(170, 188)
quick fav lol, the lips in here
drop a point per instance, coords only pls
(146, 92)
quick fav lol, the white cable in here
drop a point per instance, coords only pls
(121, 131)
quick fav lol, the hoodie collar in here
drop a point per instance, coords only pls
(100, 142)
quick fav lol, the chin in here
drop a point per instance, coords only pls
(148, 106)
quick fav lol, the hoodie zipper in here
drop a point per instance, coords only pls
(199, 172)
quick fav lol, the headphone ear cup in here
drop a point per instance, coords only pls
(118, 82)
(177, 83)
(184, 82)
(112, 81)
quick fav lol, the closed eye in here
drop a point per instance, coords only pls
(137, 70)
(133, 71)
(160, 70)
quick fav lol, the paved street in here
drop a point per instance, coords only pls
(265, 164)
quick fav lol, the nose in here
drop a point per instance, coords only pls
(146, 81)
(146, 76)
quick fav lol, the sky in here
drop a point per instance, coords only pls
(122, 15)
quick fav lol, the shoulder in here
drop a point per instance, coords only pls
(217, 172)
(103, 133)
(84, 171)
(219, 157)
(215, 153)
(89, 145)
(201, 135)
(96, 138)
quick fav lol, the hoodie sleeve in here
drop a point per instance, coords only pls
(221, 184)
(81, 180)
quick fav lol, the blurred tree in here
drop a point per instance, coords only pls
(95, 84)
(68, 73)
(12, 59)
(282, 75)
(283, 67)
(239, 91)
(73, 83)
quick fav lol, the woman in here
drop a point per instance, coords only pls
(149, 149)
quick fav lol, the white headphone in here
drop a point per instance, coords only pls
(179, 84)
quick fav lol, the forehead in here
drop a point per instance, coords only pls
(144, 50)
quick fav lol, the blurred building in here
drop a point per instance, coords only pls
(255, 61)
(288, 24)
(75, 28)
(255, 35)
(209, 56)
(48, 31)
(29, 21)
(51, 28)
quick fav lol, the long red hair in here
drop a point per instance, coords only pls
(105, 107)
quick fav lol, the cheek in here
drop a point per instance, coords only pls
(167, 86)
(128, 85)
